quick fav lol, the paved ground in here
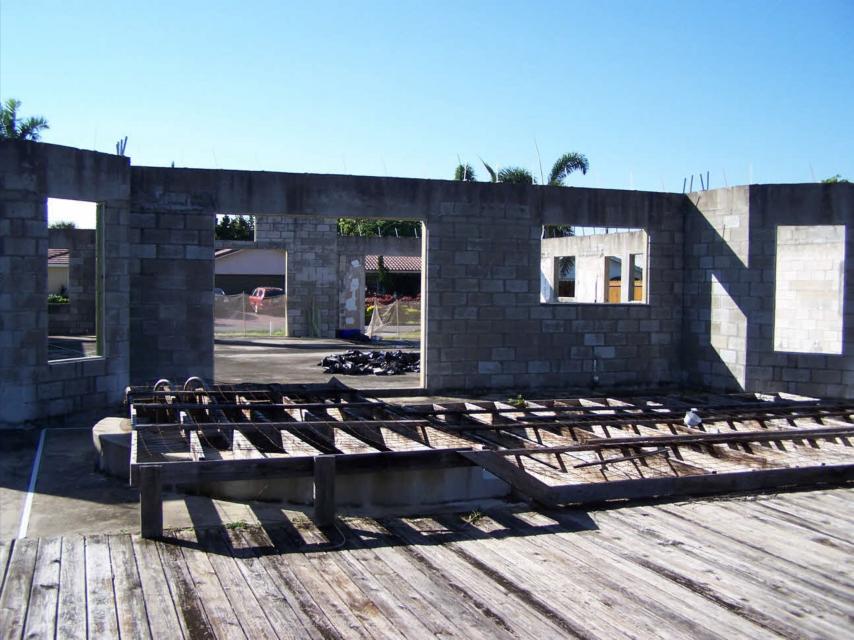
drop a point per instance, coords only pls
(295, 360)
(72, 497)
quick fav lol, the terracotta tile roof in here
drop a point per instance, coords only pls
(58, 257)
(400, 264)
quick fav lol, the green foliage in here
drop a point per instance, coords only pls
(558, 231)
(515, 175)
(235, 228)
(464, 173)
(384, 228)
(834, 179)
(13, 128)
(474, 517)
(518, 402)
(565, 165)
(492, 175)
(62, 224)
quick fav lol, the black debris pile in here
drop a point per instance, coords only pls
(376, 363)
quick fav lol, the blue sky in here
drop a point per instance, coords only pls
(651, 92)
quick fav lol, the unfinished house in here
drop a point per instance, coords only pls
(740, 289)
(675, 344)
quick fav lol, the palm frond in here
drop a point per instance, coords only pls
(490, 171)
(566, 164)
(515, 175)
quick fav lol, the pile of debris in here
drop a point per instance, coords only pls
(377, 363)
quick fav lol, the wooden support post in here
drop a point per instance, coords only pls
(324, 490)
(150, 502)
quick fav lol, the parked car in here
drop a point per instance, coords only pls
(218, 292)
(262, 294)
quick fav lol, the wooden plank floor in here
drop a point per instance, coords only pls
(756, 567)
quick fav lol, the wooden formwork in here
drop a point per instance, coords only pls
(556, 451)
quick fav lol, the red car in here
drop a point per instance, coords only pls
(262, 294)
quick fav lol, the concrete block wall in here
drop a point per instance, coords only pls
(172, 280)
(486, 326)
(732, 271)
(312, 283)
(77, 317)
(718, 288)
(31, 388)
(809, 289)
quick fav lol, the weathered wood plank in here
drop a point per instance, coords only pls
(372, 579)
(160, 609)
(15, 598)
(41, 613)
(280, 606)
(813, 570)
(524, 613)
(468, 613)
(368, 552)
(680, 558)
(192, 618)
(246, 607)
(220, 613)
(71, 616)
(345, 622)
(100, 597)
(349, 592)
(5, 552)
(569, 600)
(574, 545)
(314, 617)
(130, 600)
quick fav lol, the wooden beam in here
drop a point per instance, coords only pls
(521, 481)
(700, 484)
(324, 490)
(150, 501)
(188, 472)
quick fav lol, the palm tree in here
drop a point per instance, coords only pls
(565, 165)
(464, 173)
(509, 175)
(13, 129)
(516, 175)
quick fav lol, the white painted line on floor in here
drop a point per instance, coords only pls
(28, 501)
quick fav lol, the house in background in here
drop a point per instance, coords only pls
(57, 270)
(242, 270)
(405, 272)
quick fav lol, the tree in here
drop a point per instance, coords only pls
(834, 179)
(515, 175)
(464, 173)
(235, 228)
(565, 165)
(382, 228)
(62, 224)
(11, 128)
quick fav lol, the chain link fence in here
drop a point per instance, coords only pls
(238, 315)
